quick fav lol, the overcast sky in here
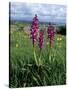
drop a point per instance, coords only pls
(45, 12)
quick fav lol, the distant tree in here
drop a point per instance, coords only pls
(62, 30)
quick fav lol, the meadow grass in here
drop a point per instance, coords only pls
(23, 70)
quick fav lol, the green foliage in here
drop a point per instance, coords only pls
(23, 69)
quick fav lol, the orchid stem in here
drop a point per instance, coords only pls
(35, 57)
(50, 54)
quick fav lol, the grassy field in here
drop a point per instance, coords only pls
(23, 70)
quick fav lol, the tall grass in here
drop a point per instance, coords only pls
(23, 70)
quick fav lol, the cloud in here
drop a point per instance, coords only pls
(45, 12)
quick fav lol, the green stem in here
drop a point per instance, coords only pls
(50, 54)
(35, 57)
(54, 54)
(40, 58)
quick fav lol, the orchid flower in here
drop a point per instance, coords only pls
(34, 29)
(51, 33)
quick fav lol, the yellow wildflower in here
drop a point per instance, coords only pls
(60, 39)
(47, 43)
(17, 45)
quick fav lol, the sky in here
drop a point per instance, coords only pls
(45, 12)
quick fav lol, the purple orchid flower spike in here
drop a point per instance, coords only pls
(51, 33)
(41, 39)
(34, 29)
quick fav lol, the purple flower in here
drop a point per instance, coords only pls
(41, 39)
(34, 29)
(51, 33)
